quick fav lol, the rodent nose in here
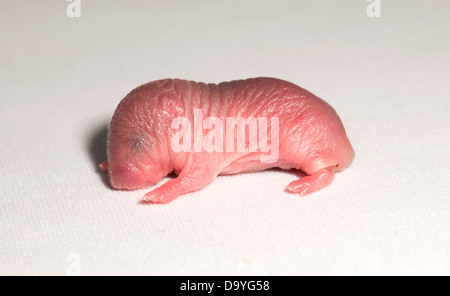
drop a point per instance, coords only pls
(127, 178)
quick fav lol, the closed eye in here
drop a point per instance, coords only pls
(137, 144)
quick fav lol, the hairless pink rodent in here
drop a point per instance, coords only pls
(311, 136)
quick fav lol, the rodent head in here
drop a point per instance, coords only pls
(327, 144)
(133, 161)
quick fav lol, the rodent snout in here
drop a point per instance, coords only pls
(126, 178)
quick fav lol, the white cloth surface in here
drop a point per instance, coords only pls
(388, 78)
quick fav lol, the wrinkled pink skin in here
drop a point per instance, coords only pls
(312, 137)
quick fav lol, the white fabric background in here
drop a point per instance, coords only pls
(388, 78)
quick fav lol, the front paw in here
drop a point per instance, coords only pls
(300, 187)
(159, 197)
